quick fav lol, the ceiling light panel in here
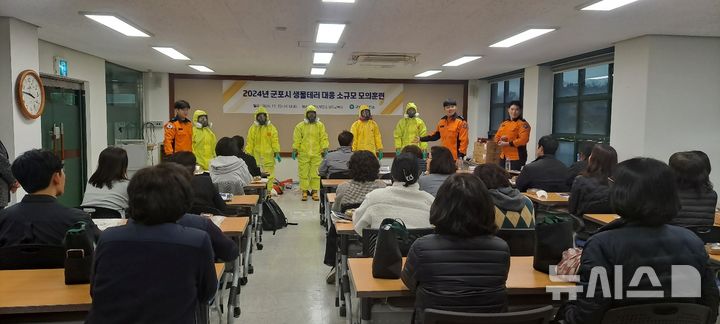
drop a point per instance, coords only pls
(522, 37)
(172, 53)
(117, 24)
(201, 68)
(340, 1)
(322, 58)
(607, 5)
(427, 73)
(317, 71)
(329, 33)
(462, 60)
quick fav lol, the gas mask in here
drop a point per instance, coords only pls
(261, 118)
(311, 116)
(202, 122)
(365, 114)
(411, 113)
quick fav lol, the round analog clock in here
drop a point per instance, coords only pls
(30, 94)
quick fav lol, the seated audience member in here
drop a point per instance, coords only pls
(39, 218)
(697, 197)
(590, 193)
(107, 187)
(172, 265)
(403, 200)
(463, 266)
(418, 153)
(228, 172)
(645, 196)
(578, 167)
(249, 159)
(512, 208)
(546, 172)
(205, 194)
(337, 160)
(440, 165)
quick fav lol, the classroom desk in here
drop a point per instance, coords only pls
(44, 291)
(601, 219)
(345, 230)
(259, 188)
(333, 183)
(553, 198)
(714, 258)
(244, 200)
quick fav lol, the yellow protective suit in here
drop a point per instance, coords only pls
(203, 142)
(310, 140)
(366, 134)
(262, 143)
(407, 129)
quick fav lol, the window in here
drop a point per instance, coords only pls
(581, 108)
(124, 98)
(502, 93)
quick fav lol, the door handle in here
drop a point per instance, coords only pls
(62, 142)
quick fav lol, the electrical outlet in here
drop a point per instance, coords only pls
(156, 123)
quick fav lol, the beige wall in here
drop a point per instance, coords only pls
(207, 95)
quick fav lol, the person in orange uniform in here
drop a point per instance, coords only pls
(452, 130)
(178, 131)
(512, 137)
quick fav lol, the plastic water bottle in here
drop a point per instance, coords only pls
(507, 165)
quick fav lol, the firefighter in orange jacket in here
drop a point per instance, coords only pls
(512, 137)
(178, 131)
(452, 130)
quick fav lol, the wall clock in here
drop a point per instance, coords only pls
(30, 94)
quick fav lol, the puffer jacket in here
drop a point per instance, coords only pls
(458, 274)
(230, 174)
(589, 196)
(696, 209)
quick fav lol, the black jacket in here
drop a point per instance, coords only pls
(39, 219)
(575, 170)
(589, 196)
(205, 194)
(696, 208)
(458, 274)
(632, 246)
(223, 247)
(251, 163)
(546, 173)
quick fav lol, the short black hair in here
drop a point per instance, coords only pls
(644, 191)
(705, 158)
(515, 103)
(226, 146)
(112, 166)
(463, 207)
(363, 166)
(412, 149)
(184, 158)
(585, 149)
(492, 175)
(405, 169)
(34, 169)
(345, 138)
(449, 102)
(240, 142)
(182, 104)
(690, 172)
(160, 194)
(441, 161)
(549, 144)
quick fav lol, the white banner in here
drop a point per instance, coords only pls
(330, 98)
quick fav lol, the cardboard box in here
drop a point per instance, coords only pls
(486, 152)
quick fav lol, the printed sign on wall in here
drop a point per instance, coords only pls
(330, 98)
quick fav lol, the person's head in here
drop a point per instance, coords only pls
(412, 149)
(365, 113)
(160, 194)
(240, 141)
(585, 150)
(547, 145)
(492, 175)
(463, 207)
(515, 110)
(345, 138)
(405, 169)
(363, 166)
(706, 159)
(201, 119)
(182, 109)
(440, 161)
(411, 110)
(450, 106)
(311, 114)
(112, 166)
(186, 159)
(226, 146)
(602, 162)
(39, 170)
(690, 171)
(261, 116)
(644, 191)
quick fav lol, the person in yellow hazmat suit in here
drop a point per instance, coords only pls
(263, 144)
(203, 139)
(310, 144)
(366, 133)
(409, 128)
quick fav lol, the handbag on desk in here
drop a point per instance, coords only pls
(554, 234)
(387, 259)
(79, 249)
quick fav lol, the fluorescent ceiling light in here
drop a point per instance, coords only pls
(322, 58)
(201, 68)
(427, 73)
(522, 37)
(340, 1)
(118, 25)
(607, 5)
(172, 53)
(329, 33)
(317, 71)
(462, 60)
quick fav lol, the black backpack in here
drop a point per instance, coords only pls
(273, 217)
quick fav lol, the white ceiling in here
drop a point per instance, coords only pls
(238, 37)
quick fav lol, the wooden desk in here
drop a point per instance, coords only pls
(717, 218)
(234, 226)
(332, 183)
(714, 258)
(44, 291)
(553, 198)
(344, 228)
(244, 200)
(256, 185)
(601, 219)
(331, 197)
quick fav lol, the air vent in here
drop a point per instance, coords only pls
(383, 59)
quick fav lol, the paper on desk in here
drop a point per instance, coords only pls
(104, 223)
(217, 220)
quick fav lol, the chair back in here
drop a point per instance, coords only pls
(340, 175)
(32, 256)
(541, 315)
(709, 233)
(520, 240)
(685, 313)
(369, 239)
(101, 212)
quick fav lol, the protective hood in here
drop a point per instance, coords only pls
(261, 110)
(309, 109)
(361, 109)
(411, 105)
(196, 117)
